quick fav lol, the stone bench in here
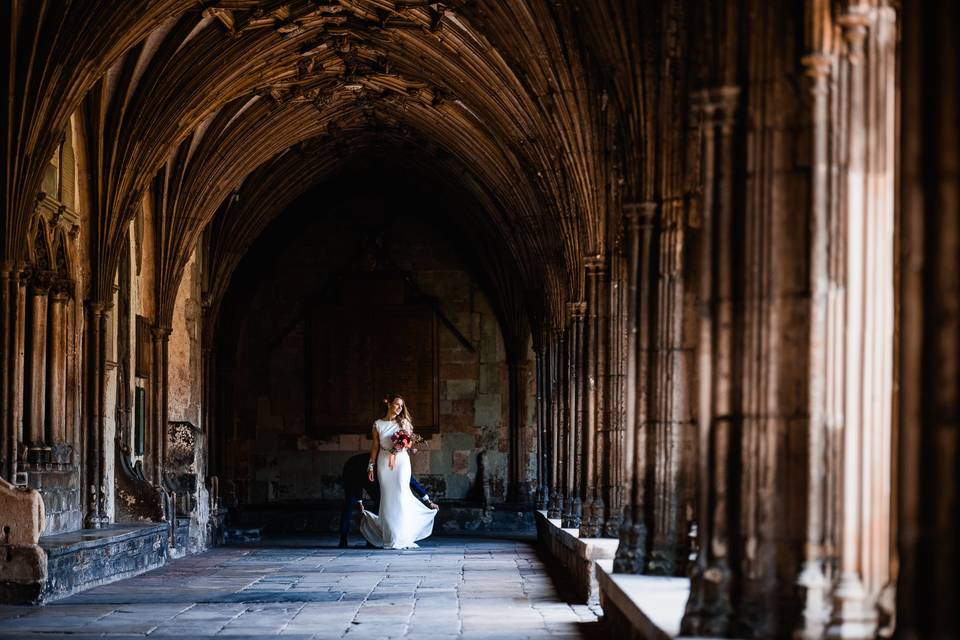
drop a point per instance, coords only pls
(576, 555)
(82, 559)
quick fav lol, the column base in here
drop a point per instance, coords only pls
(816, 609)
(612, 526)
(571, 514)
(854, 617)
(555, 505)
(663, 561)
(709, 610)
(588, 521)
(631, 554)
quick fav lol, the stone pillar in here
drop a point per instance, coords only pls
(573, 505)
(614, 393)
(158, 454)
(94, 464)
(11, 404)
(591, 519)
(557, 350)
(36, 383)
(543, 422)
(928, 474)
(56, 407)
(519, 488)
(631, 551)
(668, 412)
(709, 610)
(7, 449)
(209, 409)
(824, 350)
(867, 389)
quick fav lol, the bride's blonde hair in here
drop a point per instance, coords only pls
(404, 418)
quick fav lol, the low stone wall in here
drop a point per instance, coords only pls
(577, 556)
(638, 607)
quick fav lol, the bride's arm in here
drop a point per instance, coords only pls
(374, 450)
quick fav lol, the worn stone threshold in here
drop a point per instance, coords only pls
(63, 543)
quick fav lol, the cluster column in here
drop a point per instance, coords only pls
(591, 523)
(571, 517)
(710, 608)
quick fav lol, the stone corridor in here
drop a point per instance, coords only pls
(307, 588)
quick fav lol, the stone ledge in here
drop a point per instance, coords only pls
(642, 607)
(575, 554)
(89, 557)
(63, 543)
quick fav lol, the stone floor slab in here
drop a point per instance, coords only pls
(307, 588)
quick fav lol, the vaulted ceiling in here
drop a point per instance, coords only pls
(535, 107)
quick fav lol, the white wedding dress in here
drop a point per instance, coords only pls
(402, 519)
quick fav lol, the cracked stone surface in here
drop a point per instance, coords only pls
(307, 588)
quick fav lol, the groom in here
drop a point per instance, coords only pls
(355, 482)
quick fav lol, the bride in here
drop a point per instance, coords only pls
(403, 519)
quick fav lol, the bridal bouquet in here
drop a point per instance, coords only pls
(401, 440)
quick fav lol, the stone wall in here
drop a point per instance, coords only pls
(185, 375)
(274, 452)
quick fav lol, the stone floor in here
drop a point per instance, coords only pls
(307, 588)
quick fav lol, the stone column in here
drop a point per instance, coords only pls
(36, 383)
(93, 452)
(591, 520)
(867, 388)
(824, 350)
(56, 404)
(614, 392)
(709, 610)
(630, 555)
(573, 505)
(14, 317)
(542, 427)
(928, 474)
(668, 415)
(555, 504)
(7, 449)
(209, 409)
(161, 350)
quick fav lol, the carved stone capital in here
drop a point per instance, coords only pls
(97, 307)
(595, 265)
(817, 65)
(854, 26)
(576, 310)
(40, 282)
(726, 98)
(161, 332)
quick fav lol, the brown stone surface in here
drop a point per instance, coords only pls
(21, 514)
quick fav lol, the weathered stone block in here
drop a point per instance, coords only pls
(21, 514)
(487, 410)
(23, 572)
(461, 461)
(461, 389)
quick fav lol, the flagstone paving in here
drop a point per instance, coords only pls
(297, 589)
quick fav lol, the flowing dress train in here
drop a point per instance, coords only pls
(402, 519)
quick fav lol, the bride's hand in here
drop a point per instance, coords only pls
(370, 475)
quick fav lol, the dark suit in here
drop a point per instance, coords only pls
(355, 482)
